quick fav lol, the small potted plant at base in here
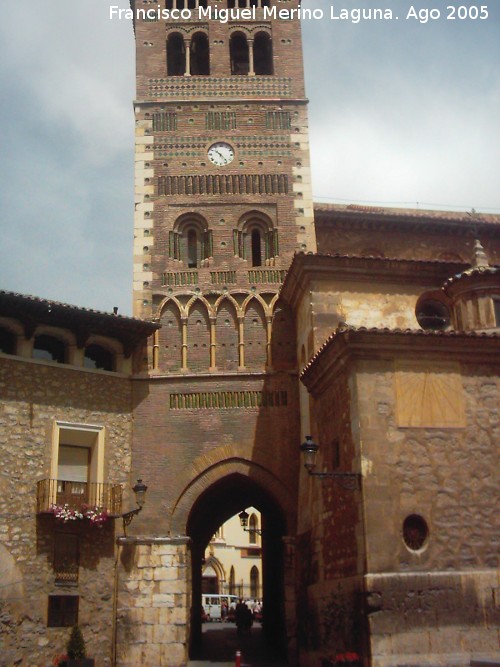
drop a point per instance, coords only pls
(76, 650)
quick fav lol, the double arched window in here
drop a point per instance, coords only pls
(188, 57)
(251, 56)
(256, 240)
(191, 241)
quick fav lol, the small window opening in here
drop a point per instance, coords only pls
(238, 49)
(433, 314)
(192, 249)
(263, 54)
(63, 611)
(254, 582)
(49, 348)
(232, 581)
(256, 248)
(415, 532)
(252, 528)
(200, 55)
(176, 55)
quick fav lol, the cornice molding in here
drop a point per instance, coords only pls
(348, 344)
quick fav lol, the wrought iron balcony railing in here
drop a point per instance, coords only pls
(50, 492)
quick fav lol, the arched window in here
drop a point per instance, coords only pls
(254, 582)
(200, 55)
(98, 357)
(252, 529)
(191, 241)
(256, 248)
(263, 53)
(255, 239)
(7, 341)
(49, 348)
(236, 3)
(176, 55)
(232, 581)
(238, 51)
(192, 249)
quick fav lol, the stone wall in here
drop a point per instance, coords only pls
(33, 395)
(153, 602)
(437, 602)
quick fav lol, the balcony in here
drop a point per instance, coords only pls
(51, 492)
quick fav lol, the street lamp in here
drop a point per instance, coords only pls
(140, 498)
(347, 480)
(243, 516)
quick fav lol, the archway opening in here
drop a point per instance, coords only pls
(263, 555)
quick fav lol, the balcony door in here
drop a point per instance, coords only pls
(73, 475)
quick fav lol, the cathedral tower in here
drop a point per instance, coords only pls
(222, 177)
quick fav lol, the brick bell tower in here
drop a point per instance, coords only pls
(222, 177)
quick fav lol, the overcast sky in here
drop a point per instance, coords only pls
(401, 113)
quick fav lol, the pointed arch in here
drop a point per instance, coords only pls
(226, 335)
(254, 583)
(232, 581)
(253, 526)
(198, 336)
(255, 336)
(170, 337)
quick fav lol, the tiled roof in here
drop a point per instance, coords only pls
(473, 272)
(32, 310)
(407, 213)
(345, 329)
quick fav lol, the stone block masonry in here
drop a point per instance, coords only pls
(153, 602)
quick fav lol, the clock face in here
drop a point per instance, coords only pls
(220, 153)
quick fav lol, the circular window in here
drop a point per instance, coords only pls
(415, 532)
(433, 314)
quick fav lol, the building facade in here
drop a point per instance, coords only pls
(267, 318)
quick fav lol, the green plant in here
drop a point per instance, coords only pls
(76, 644)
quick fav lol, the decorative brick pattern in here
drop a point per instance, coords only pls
(220, 120)
(266, 276)
(248, 184)
(228, 400)
(241, 87)
(179, 278)
(164, 122)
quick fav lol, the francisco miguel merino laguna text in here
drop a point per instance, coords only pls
(224, 15)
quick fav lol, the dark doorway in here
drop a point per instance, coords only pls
(223, 500)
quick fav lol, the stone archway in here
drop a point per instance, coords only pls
(223, 498)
